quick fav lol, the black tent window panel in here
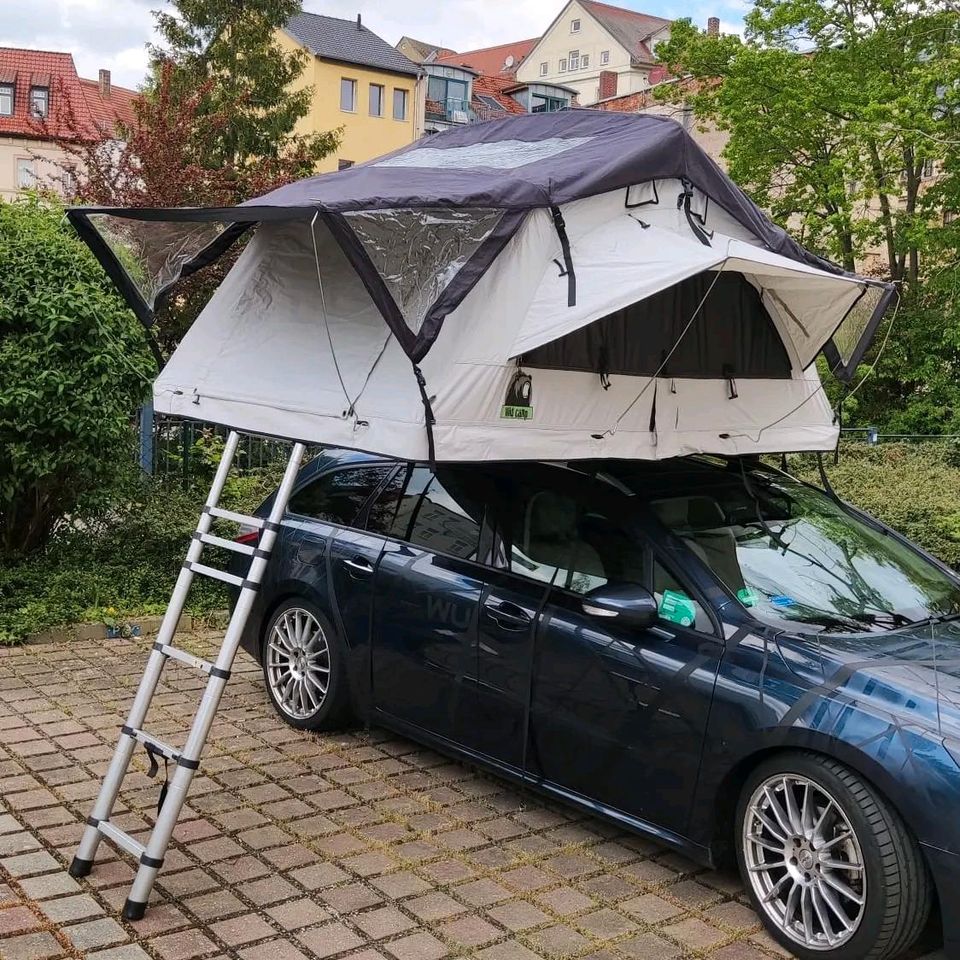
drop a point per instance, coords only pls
(732, 336)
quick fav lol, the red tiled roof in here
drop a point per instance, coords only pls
(75, 105)
(630, 28)
(494, 87)
(491, 61)
(109, 111)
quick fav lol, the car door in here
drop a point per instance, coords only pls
(427, 593)
(335, 555)
(617, 714)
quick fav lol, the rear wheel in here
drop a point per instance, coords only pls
(829, 865)
(305, 668)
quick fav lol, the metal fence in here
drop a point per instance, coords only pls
(179, 450)
(873, 436)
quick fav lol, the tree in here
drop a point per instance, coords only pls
(227, 51)
(73, 368)
(835, 111)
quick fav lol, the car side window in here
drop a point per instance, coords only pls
(449, 516)
(339, 496)
(440, 512)
(393, 511)
(676, 603)
(554, 537)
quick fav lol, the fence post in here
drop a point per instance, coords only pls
(146, 437)
(873, 435)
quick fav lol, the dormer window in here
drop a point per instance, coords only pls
(6, 99)
(574, 26)
(39, 101)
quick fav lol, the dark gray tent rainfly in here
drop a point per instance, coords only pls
(554, 286)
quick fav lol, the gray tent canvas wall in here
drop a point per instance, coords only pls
(548, 286)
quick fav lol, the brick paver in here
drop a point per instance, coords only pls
(358, 845)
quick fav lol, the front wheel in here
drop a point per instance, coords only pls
(304, 666)
(828, 864)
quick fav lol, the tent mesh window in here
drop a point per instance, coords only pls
(153, 252)
(848, 337)
(731, 336)
(419, 252)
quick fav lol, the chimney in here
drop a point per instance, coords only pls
(608, 84)
(105, 84)
(713, 27)
(360, 25)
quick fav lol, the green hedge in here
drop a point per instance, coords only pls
(915, 488)
(122, 562)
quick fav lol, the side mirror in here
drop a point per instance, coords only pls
(628, 603)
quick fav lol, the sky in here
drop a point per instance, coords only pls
(113, 34)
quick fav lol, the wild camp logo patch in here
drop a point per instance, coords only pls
(518, 404)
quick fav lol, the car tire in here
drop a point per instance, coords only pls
(305, 667)
(811, 812)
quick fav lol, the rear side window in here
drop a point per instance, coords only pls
(448, 517)
(338, 497)
(439, 512)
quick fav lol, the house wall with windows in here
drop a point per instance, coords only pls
(379, 110)
(43, 102)
(576, 47)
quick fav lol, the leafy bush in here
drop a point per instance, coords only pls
(120, 560)
(73, 367)
(915, 488)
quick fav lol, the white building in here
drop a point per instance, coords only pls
(589, 38)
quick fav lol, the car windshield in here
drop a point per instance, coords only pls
(795, 557)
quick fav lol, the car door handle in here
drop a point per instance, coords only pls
(508, 615)
(359, 567)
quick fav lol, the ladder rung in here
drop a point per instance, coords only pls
(243, 518)
(190, 660)
(215, 541)
(158, 746)
(121, 839)
(215, 574)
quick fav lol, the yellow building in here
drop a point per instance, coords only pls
(360, 83)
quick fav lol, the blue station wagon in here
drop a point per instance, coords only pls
(706, 651)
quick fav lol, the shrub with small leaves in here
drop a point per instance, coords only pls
(73, 368)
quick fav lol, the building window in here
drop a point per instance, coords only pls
(927, 169)
(452, 95)
(544, 104)
(39, 101)
(544, 68)
(585, 61)
(949, 216)
(376, 100)
(6, 99)
(604, 56)
(399, 104)
(348, 95)
(573, 60)
(344, 164)
(26, 173)
(563, 65)
(574, 26)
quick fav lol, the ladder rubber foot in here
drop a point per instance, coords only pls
(133, 910)
(80, 868)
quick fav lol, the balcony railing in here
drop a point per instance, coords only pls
(451, 110)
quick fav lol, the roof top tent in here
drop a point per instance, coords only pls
(551, 286)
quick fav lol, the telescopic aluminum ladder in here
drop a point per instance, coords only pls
(187, 759)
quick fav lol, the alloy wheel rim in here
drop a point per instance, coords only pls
(804, 862)
(298, 663)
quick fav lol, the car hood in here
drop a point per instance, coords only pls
(913, 673)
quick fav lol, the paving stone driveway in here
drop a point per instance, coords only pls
(362, 845)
